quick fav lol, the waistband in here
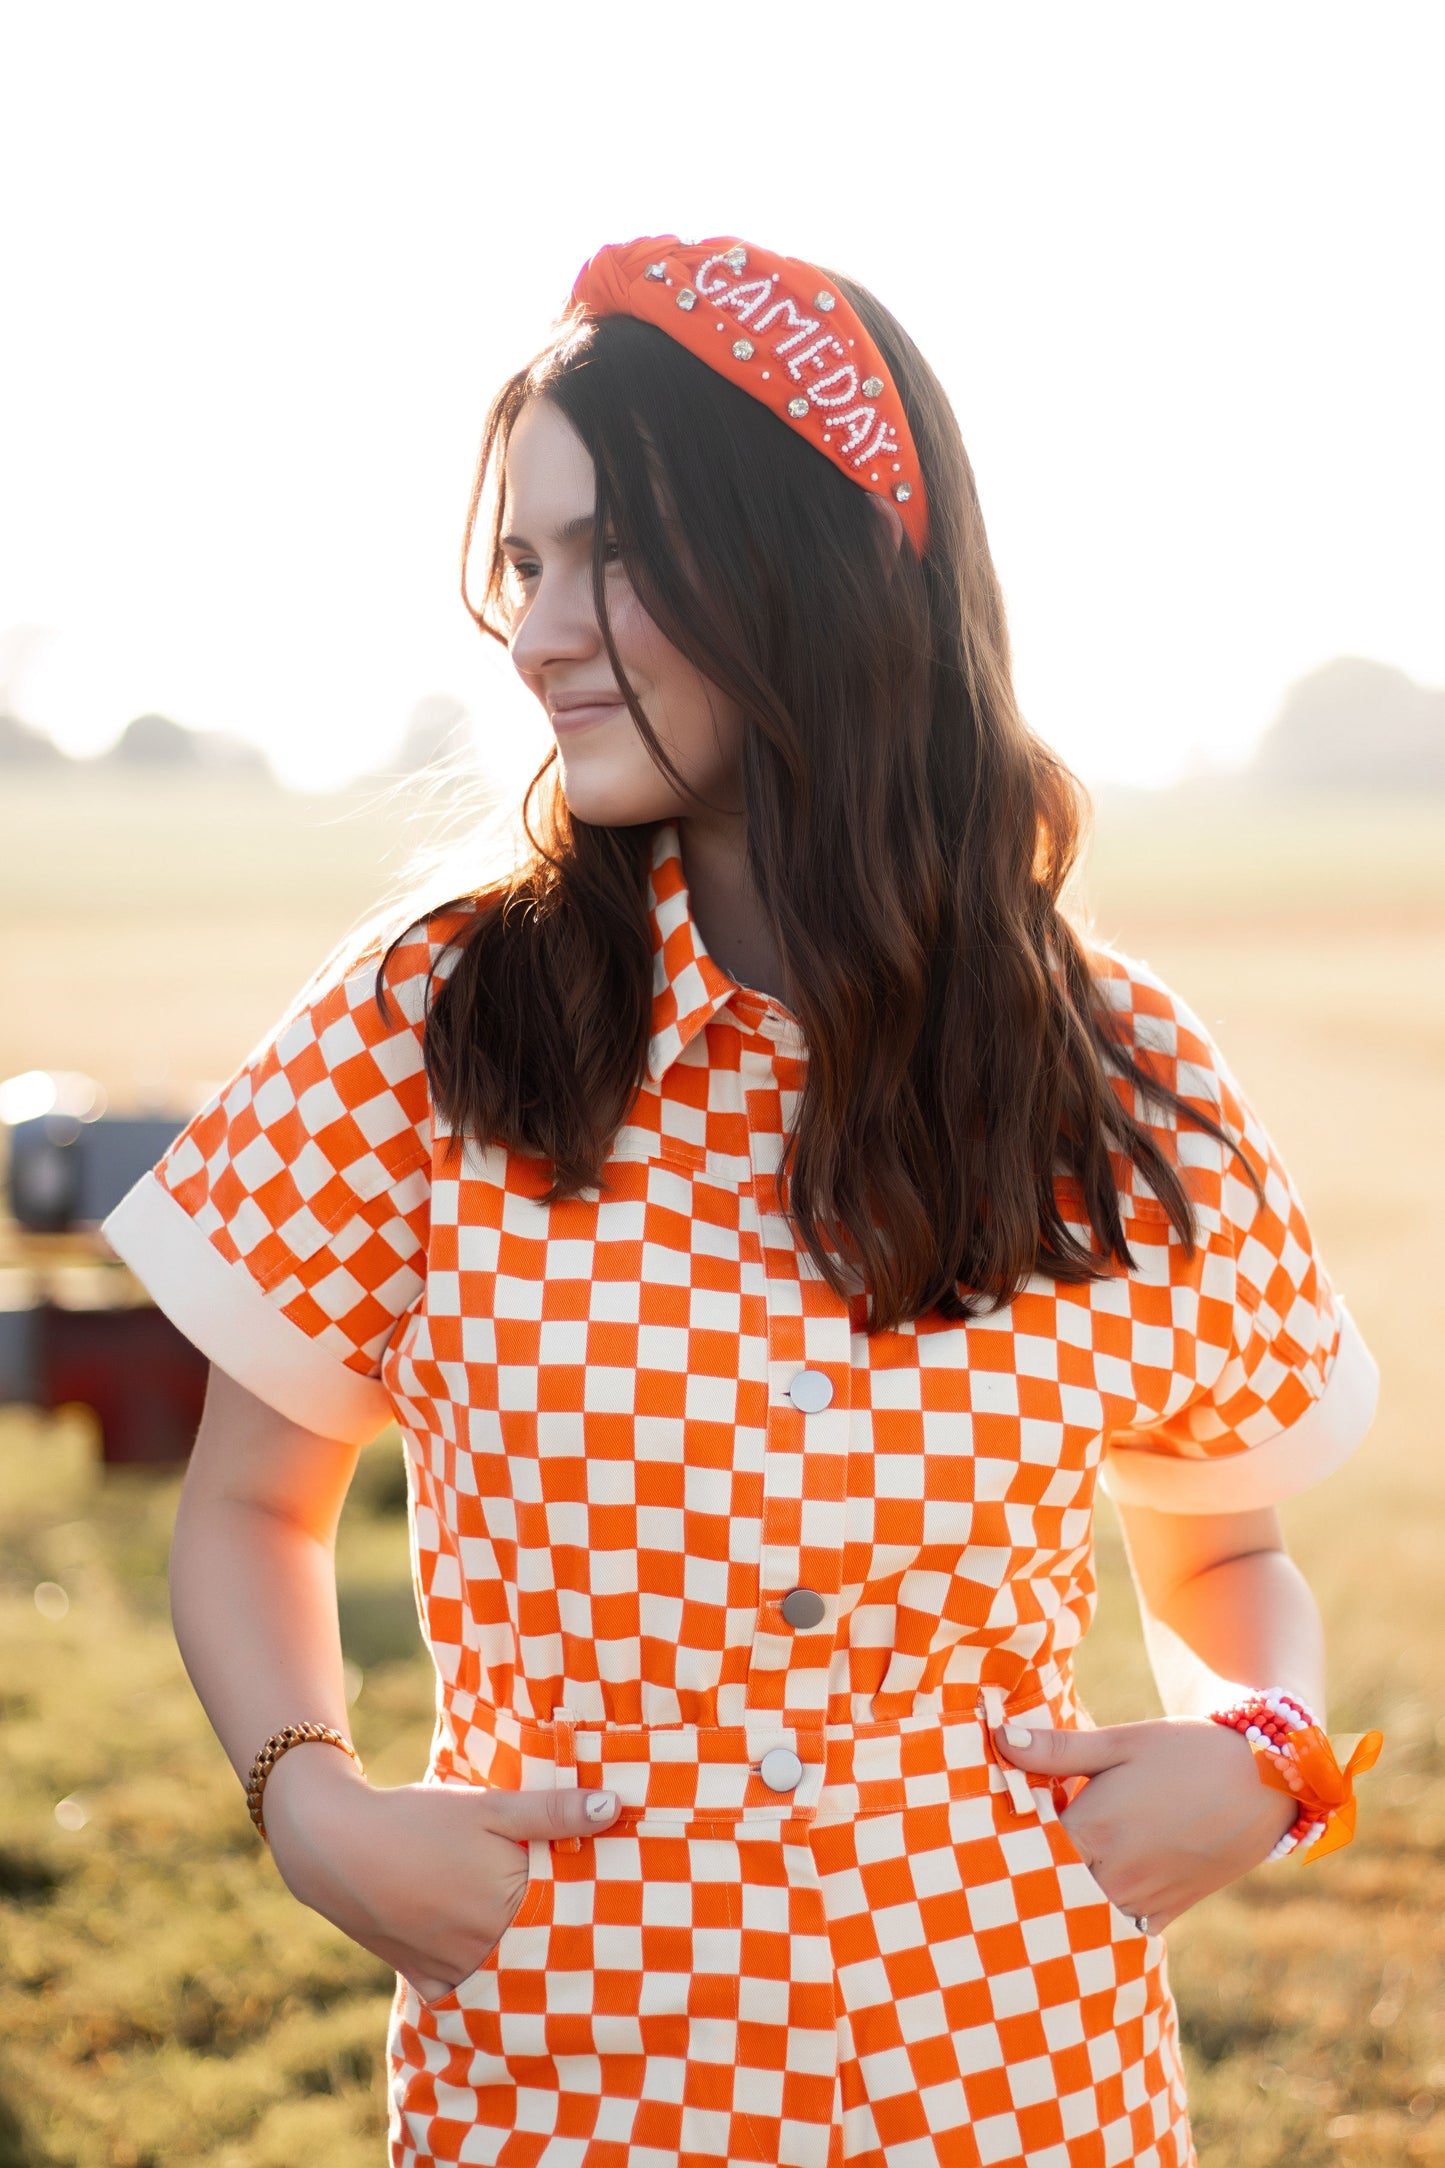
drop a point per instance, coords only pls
(682, 1774)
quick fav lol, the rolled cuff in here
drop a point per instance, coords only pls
(1323, 1438)
(219, 1307)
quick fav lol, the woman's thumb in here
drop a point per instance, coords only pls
(1051, 1753)
(550, 1814)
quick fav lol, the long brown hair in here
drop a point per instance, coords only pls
(908, 835)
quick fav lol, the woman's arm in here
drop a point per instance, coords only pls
(427, 1877)
(1174, 1809)
(253, 1577)
(1224, 1608)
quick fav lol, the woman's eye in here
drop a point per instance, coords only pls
(525, 568)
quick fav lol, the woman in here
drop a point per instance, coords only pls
(766, 1217)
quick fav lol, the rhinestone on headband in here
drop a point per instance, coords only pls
(737, 258)
(797, 408)
(742, 349)
(872, 385)
(823, 300)
(687, 299)
(655, 271)
(903, 491)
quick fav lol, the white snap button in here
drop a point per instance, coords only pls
(811, 1390)
(780, 1769)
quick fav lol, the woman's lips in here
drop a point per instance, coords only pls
(579, 718)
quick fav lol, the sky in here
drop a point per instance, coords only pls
(1178, 268)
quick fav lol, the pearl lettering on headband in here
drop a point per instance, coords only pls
(803, 325)
(735, 259)
(817, 361)
(743, 299)
(859, 420)
(811, 353)
(847, 376)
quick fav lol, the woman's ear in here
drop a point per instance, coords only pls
(893, 516)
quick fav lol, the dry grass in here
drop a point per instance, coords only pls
(162, 2000)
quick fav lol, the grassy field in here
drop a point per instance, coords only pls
(162, 2000)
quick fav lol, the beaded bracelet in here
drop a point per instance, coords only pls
(279, 1743)
(1293, 1755)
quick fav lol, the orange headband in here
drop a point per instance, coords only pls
(775, 326)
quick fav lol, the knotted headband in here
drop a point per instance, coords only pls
(777, 327)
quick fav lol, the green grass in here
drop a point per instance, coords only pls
(162, 1997)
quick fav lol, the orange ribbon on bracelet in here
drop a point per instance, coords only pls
(1321, 1786)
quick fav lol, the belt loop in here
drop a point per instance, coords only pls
(564, 1743)
(993, 1699)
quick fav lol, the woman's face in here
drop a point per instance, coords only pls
(608, 775)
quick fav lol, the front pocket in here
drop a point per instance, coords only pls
(1074, 1859)
(529, 1905)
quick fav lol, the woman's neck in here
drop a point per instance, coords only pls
(725, 903)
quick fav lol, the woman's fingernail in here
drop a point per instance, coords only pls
(601, 1806)
(1017, 1736)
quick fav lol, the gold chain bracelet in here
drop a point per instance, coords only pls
(279, 1743)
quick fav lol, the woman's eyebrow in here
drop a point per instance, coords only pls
(571, 532)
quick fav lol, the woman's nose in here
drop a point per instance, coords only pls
(559, 623)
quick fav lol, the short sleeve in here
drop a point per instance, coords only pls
(1273, 1386)
(285, 1231)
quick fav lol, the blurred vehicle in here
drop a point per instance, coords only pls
(75, 1325)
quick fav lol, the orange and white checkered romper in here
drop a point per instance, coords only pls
(682, 1528)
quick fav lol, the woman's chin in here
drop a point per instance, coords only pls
(605, 803)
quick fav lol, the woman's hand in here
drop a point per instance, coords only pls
(427, 1876)
(1172, 1809)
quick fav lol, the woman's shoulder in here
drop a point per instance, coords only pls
(1165, 1043)
(1157, 1026)
(390, 963)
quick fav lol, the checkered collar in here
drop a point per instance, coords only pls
(688, 988)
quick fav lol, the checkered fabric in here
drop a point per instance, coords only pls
(615, 1482)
